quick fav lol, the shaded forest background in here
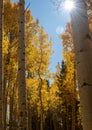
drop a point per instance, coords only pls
(57, 105)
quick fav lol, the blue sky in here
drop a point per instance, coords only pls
(53, 22)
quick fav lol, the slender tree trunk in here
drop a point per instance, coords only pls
(29, 117)
(54, 122)
(74, 102)
(73, 113)
(83, 57)
(67, 117)
(4, 104)
(41, 107)
(1, 77)
(11, 114)
(11, 126)
(41, 103)
(21, 69)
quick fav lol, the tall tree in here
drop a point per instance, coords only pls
(21, 69)
(1, 74)
(69, 80)
(40, 81)
(83, 56)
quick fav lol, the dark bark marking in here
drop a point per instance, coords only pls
(23, 59)
(86, 84)
(21, 113)
(88, 36)
(20, 3)
(23, 53)
(21, 21)
(23, 103)
(81, 50)
(19, 69)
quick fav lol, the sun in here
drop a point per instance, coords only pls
(69, 5)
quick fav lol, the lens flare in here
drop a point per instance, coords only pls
(69, 5)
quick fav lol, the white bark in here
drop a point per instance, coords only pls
(21, 69)
(83, 57)
(1, 77)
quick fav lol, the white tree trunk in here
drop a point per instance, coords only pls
(21, 69)
(83, 57)
(1, 79)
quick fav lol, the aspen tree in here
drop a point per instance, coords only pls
(21, 69)
(40, 81)
(1, 79)
(83, 58)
